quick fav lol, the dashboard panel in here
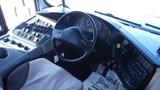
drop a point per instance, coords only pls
(134, 68)
(34, 30)
(136, 71)
(26, 36)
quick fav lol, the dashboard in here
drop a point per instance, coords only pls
(132, 63)
(29, 34)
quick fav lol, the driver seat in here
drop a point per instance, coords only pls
(41, 74)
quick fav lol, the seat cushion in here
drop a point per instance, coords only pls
(41, 74)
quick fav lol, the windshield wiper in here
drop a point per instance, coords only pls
(156, 29)
(147, 24)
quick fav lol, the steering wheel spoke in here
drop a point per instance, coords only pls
(85, 45)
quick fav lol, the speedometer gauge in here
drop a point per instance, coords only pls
(86, 27)
(98, 24)
(87, 23)
(106, 29)
(103, 30)
(81, 23)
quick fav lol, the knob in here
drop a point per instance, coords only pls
(26, 48)
(19, 45)
(37, 20)
(3, 53)
(5, 39)
(13, 42)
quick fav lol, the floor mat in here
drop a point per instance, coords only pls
(98, 82)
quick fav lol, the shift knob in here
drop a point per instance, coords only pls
(3, 53)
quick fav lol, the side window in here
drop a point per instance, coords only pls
(3, 26)
(17, 11)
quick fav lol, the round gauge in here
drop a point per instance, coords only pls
(103, 31)
(81, 23)
(106, 29)
(87, 23)
(98, 24)
(86, 27)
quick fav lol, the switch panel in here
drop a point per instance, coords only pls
(33, 30)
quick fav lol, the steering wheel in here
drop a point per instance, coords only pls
(68, 32)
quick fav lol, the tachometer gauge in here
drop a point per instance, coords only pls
(88, 23)
(81, 23)
(104, 32)
(106, 29)
(98, 24)
(86, 27)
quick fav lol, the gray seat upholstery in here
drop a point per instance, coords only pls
(40, 74)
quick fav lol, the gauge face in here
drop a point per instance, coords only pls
(106, 29)
(85, 25)
(81, 23)
(103, 29)
(98, 24)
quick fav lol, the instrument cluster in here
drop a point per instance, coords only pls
(86, 27)
(102, 27)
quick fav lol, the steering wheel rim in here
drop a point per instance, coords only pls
(60, 34)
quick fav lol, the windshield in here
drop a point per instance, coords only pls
(16, 11)
(149, 7)
(142, 12)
